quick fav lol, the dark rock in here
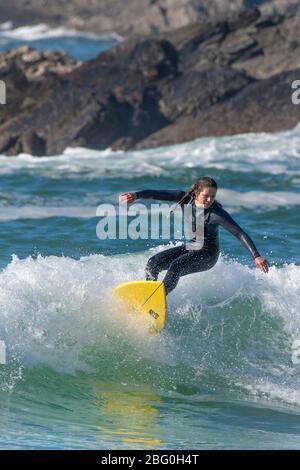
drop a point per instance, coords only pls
(242, 19)
(33, 144)
(202, 80)
(155, 59)
(126, 18)
(138, 16)
(9, 143)
(262, 106)
(197, 90)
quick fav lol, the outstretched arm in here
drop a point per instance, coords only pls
(162, 195)
(226, 221)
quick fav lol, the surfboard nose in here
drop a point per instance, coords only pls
(145, 298)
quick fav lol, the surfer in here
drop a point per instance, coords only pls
(185, 259)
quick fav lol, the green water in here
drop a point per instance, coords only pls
(80, 375)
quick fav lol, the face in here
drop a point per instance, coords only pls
(206, 197)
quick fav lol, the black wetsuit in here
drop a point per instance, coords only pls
(180, 261)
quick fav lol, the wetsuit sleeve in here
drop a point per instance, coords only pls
(226, 221)
(163, 195)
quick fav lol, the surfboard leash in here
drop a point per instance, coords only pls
(152, 293)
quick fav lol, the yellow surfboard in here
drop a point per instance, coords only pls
(146, 298)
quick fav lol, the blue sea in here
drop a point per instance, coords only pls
(79, 373)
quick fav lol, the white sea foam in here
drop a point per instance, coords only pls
(233, 201)
(266, 390)
(268, 153)
(252, 199)
(43, 212)
(44, 31)
(6, 26)
(43, 323)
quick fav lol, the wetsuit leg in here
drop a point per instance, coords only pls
(188, 263)
(162, 261)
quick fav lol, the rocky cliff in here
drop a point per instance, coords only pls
(128, 17)
(211, 78)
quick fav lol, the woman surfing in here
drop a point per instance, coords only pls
(182, 260)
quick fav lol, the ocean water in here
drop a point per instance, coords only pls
(80, 374)
(81, 46)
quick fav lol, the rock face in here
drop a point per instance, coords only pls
(37, 65)
(29, 76)
(128, 17)
(207, 79)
